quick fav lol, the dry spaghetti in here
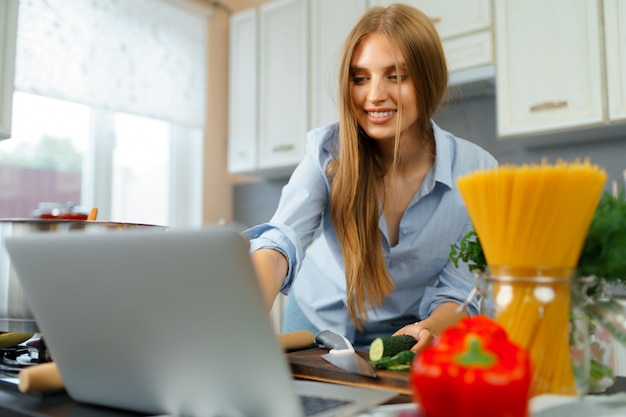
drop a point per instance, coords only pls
(535, 216)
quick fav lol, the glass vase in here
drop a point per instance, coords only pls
(602, 354)
(542, 310)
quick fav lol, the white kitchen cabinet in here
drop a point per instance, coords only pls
(8, 31)
(268, 88)
(331, 22)
(548, 65)
(470, 51)
(452, 17)
(243, 91)
(283, 89)
(615, 52)
(465, 28)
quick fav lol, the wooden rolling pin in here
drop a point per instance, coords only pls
(40, 378)
(46, 376)
(297, 340)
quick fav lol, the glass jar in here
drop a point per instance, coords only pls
(542, 311)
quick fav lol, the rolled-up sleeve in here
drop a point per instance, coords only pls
(275, 237)
(452, 286)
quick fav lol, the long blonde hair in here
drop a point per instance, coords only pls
(358, 171)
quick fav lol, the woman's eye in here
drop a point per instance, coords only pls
(402, 77)
(359, 80)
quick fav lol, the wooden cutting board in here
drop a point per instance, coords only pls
(308, 364)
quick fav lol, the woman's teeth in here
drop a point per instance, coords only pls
(380, 113)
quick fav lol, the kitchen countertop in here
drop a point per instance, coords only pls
(305, 364)
(14, 404)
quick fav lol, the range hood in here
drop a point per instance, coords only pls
(471, 82)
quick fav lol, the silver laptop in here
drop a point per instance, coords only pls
(164, 323)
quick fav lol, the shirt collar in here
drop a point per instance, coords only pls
(442, 168)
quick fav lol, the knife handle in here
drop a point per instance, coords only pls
(337, 344)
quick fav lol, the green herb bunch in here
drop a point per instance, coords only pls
(470, 251)
(604, 251)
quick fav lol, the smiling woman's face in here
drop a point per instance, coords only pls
(374, 89)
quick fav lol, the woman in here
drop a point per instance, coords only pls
(361, 237)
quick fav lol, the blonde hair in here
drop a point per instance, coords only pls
(358, 170)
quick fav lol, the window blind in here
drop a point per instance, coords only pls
(144, 57)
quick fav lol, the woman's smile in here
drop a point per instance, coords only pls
(381, 116)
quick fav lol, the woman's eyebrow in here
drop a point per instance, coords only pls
(401, 66)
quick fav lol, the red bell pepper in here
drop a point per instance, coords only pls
(472, 370)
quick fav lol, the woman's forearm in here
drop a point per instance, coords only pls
(271, 268)
(444, 316)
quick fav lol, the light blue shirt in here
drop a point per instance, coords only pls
(419, 266)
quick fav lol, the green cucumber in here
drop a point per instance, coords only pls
(390, 346)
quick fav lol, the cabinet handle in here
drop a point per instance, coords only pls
(283, 148)
(548, 105)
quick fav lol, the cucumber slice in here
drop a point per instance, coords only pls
(403, 367)
(383, 362)
(388, 362)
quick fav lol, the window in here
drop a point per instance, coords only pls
(43, 159)
(116, 121)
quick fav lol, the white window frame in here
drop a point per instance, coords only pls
(186, 171)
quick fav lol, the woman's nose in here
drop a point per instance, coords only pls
(377, 91)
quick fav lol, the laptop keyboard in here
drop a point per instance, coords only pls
(313, 405)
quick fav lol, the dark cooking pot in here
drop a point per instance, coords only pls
(15, 316)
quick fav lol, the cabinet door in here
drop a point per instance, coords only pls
(469, 51)
(464, 26)
(452, 17)
(8, 31)
(283, 89)
(242, 114)
(331, 22)
(615, 51)
(548, 65)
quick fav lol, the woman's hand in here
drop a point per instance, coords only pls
(425, 331)
(420, 332)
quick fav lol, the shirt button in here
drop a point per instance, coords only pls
(405, 230)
